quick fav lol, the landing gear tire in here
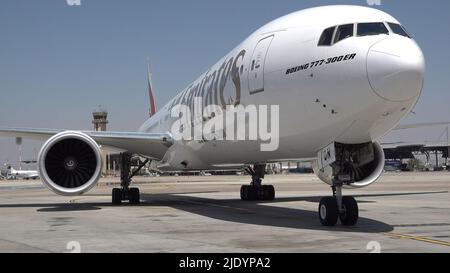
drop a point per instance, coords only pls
(328, 211)
(134, 196)
(252, 193)
(244, 193)
(255, 191)
(350, 213)
(116, 196)
(268, 192)
(248, 193)
(125, 192)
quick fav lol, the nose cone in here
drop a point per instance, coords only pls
(395, 68)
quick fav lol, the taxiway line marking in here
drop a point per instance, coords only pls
(418, 238)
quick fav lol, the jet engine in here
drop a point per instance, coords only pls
(356, 165)
(70, 163)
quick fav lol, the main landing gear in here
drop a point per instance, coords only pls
(125, 192)
(343, 207)
(255, 191)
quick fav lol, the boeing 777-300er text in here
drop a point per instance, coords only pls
(335, 79)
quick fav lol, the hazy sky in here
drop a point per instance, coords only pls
(59, 62)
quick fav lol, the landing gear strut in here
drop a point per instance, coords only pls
(125, 192)
(256, 191)
(343, 207)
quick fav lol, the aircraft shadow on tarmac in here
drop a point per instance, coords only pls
(262, 213)
(235, 210)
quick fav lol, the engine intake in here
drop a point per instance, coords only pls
(363, 163)
(70, 163)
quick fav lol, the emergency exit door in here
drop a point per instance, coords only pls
(256, 72)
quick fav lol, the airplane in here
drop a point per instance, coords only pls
(341, 76)
(28, 174)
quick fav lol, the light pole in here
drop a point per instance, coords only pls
(448, 152)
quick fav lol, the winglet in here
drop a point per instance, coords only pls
(152, 109)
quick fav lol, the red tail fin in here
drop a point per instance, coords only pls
(152, 109)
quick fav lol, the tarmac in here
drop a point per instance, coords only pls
(402, 212)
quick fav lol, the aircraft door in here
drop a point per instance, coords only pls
(256, 71)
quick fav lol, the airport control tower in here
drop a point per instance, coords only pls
(100, 120)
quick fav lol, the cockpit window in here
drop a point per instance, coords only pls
(327, 37)
(367, 29)
(398, 29)
(343, 32)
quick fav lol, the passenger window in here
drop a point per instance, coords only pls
(398, 29)
(343, 32)
(366, 29)
(327, 37)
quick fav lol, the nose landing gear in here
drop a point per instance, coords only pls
(343, 207)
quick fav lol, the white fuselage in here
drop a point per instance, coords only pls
(28, 174)
(354, 91)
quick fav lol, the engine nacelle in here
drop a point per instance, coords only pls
(70, 163)
(371, 165)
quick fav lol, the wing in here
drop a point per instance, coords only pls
(152, 145)
(415, 145)
(405, 150)
(420, 125)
